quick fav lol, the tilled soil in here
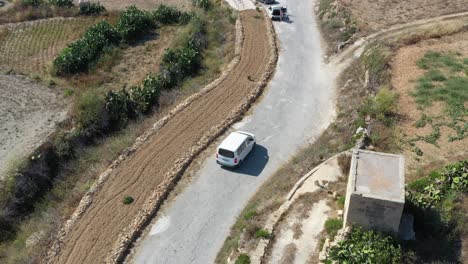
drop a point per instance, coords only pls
(31, 47)
(28, 113)
(378, 14)
(92, 237)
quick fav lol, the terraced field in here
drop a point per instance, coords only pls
(30, 47)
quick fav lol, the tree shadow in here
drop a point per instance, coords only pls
(254, 163)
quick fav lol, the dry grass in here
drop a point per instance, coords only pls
(17, 12)
(434, 151)
(378, 14)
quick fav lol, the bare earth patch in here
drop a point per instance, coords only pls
(379, 14)
(405, 75)
(28, 113)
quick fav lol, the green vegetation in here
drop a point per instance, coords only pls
(170, 15)
(243, 259)
(133, 24)
(432, 189)
(261, 233)
(324, 6)
(366, 247)
(332, 226)
(91, 9)
(440, 218)
(443, 81)
(341, 202)
(127, 200)
(77, 56)
(381, 107)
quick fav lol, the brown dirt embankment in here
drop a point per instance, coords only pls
(107, 225)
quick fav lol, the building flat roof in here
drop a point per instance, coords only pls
(379, 175)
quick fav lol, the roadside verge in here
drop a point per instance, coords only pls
(149, 169)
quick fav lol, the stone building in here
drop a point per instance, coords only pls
(375, 193)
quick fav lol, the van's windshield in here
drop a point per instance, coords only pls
(226, 153)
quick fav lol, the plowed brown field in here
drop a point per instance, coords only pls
(92, 237)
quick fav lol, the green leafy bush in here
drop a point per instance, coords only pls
(431, 190)
(205, 4)
(90, 114)
(382, 106)
(127, 200)
(243, 259)
(77, 56)
(92, 9)
(31, 2)
(61, 3)
(119, 108)
(133, 23)
(170, 15)
(366, 247)
(262, 233)
(332, 226)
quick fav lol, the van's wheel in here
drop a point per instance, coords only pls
(255, 143)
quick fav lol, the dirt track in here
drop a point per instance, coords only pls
(93, 236)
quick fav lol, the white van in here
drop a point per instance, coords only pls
(235, 148)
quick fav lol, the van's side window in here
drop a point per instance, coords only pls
(241, 148)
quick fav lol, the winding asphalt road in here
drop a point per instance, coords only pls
(296, 107)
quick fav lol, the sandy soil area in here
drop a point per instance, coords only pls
(378, 14)
(28, 113)
(143, 4)
(96, 231)
(405, 74)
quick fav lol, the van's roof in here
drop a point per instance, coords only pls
(233, 141)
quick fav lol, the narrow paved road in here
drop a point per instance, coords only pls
(298, 105)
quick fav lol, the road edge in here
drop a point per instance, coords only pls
(87, 199)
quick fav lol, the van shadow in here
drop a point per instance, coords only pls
(254, 164)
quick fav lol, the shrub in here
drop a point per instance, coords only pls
(262, 233)
(89, 111)
(127, 200)
(431, 190)
(62, 146)
(133, 23)
(119, 108)
(92, 9)
(170, 15)
(243, 259)
(332, 226)
(77, 56)
(384, 104)
(205, 4)
(61, 3)
(31, 2)
(366, 247)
